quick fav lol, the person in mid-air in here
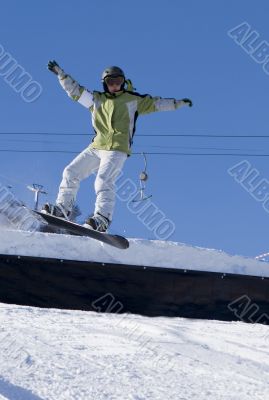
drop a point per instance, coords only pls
(114, 114)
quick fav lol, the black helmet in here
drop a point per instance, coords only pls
(112, 71)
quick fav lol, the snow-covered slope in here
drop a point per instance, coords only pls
(67, 355)
(141, 253)
(4, 223)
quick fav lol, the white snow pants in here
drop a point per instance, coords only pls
(107, 164)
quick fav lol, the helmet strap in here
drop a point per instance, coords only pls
(129, 85)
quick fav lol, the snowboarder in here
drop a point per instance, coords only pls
(114, 113)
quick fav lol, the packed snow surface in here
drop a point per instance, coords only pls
(141, 252)
(67, 355)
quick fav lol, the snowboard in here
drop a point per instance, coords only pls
(76, 229)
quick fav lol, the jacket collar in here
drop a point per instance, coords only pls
(113, 95)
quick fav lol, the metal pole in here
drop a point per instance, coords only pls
(37, 189)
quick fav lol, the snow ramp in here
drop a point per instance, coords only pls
(152, 278)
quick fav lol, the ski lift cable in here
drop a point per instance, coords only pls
(136, 153)
(141, 135)
(13, 181)
(53, 142)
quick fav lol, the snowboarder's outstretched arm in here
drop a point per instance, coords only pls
(148, 104)
(72, 87)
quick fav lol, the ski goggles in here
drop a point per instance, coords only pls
(114, 80)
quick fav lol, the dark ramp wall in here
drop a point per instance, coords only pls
(151, 291)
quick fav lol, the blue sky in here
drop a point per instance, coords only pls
(169, 49)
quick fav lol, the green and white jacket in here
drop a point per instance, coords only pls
(114, 115)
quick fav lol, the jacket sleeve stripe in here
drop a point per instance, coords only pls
(165, 104)
(86, 99)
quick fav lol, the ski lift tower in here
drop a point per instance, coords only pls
(37, 189)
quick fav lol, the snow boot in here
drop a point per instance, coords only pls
(97, 222)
